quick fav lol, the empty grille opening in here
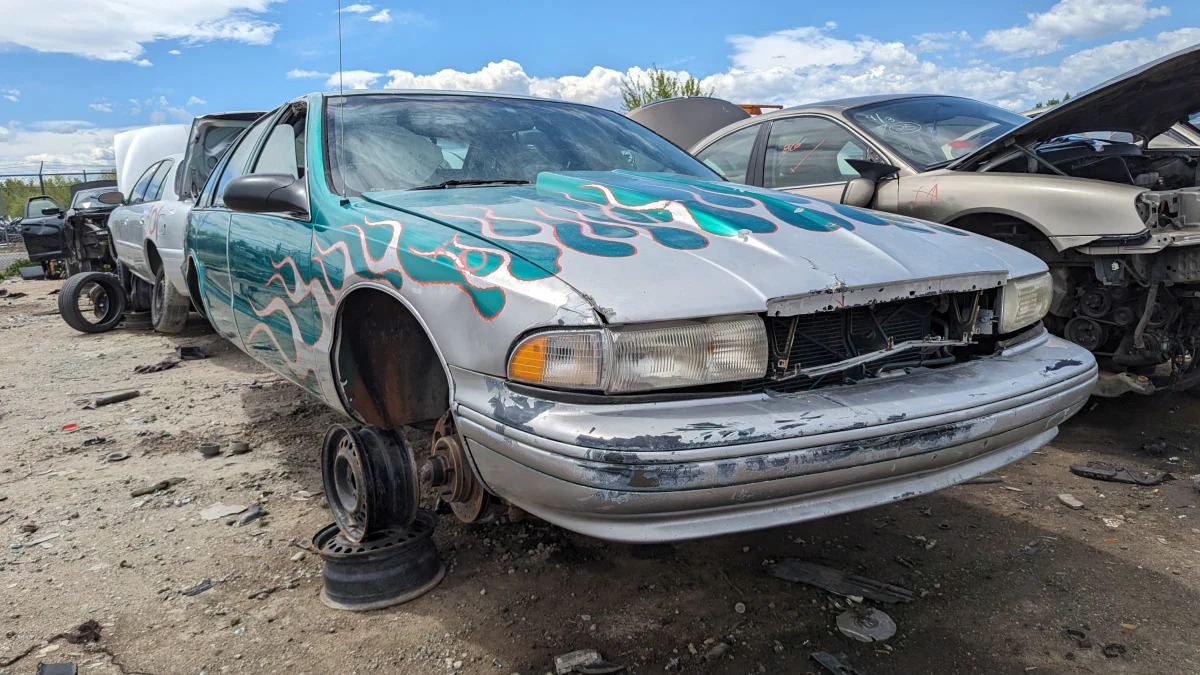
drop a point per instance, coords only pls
(808, 341)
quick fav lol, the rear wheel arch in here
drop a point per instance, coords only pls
(407, 382)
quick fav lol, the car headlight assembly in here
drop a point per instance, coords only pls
(1024, 302)
(626, 359)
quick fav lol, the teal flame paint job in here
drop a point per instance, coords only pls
(273, 283)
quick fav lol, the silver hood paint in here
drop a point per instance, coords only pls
(649, 247)
(1145, 101)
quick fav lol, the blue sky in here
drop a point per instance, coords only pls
(71, 78)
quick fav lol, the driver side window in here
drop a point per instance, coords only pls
(240, 155)
(810, 151)
(33, 208)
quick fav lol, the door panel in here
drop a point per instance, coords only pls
(208, 238)
(45, 236)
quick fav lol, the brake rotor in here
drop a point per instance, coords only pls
(449, 472)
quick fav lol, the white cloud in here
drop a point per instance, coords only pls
(62, 126)
(794, 48)
(933, 42)
(117, 30)
(101, 107)
(162, 100)
(354, 79)
(144, 63)
(174, 52)
(298, 74)
(357, 8)
(383, 17)
(193, 100)
(1085, 19)
(158, 117)
(72, 147)
(13, 95)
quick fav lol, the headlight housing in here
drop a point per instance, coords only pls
(1024, 301)
(626, 359)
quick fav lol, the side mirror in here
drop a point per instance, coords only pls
(267, 193)
(113, 197)
(51, 211)
(858, 192)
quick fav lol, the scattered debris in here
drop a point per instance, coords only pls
(981, 480)
(837, 581)
(116, 457)
(210, 449)
(1070, 501)
(866, 624)
(166, 364)
(739, 607)
(198, 588)
(88, 631)
(238, 447)
(150, 489)
(1080, 637)
(109, 399)
(1114, 649)
(95, 440)
(585, 662)
(219, 510)
(140, 420)
(192, 353)
(1011, 488)
(29, 528)
(1114, 523)
(1121, 476)
(299, 557)
(1196, 481)
(838, 664)
(264, 592)
(57, 669)
(14, 296)
(718, 650)
(70, 428)
(252, 514)
(43, 539)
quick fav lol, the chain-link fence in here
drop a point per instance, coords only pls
(15, 191)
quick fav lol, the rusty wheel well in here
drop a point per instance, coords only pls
(388, 371)
(153, 257)
(193, 286)
(1010, 230)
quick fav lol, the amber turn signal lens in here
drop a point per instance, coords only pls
(528, 360)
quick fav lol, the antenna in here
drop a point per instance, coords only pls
(341, 89)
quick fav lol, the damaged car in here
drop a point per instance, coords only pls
(603, 333)
(1116, 219)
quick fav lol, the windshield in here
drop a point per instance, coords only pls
(932, 130)
(400, 142)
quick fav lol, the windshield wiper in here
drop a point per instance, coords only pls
(461, 183)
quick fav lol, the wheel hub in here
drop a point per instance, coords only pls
(449, 472)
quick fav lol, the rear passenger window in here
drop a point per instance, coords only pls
(155, 187)
(139, 189)
(730, 156)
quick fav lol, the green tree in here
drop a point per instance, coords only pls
(1052, 102)
(15, 191)
(657, 84)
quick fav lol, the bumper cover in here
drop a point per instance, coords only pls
(653, 472)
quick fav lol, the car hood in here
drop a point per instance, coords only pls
(646, 247)
(1145, 101)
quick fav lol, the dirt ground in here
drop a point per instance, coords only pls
(999, 570)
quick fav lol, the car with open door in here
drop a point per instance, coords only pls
(601, 331)
(150, 225)
(1116, 218)
(43, 228)
(74, 239)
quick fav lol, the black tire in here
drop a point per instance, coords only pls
(108, 302)
(168, 307)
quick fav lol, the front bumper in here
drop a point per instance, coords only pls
(653, 472)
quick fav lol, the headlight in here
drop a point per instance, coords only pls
(639, 358)
(1024, 301)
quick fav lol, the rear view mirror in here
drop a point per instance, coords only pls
(858, 192)
(267, 193)
(51, 211)
(113, 197)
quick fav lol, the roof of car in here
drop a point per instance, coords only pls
(842, 104)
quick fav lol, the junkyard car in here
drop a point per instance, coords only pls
(73, 239)
(148, 228)
(607, 335)
(1117, 222)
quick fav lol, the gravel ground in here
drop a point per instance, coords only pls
(998, 570)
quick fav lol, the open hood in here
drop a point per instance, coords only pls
(687, 120)
(137, 149)
(652, 247)
(210, 137)
(1145, 101)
